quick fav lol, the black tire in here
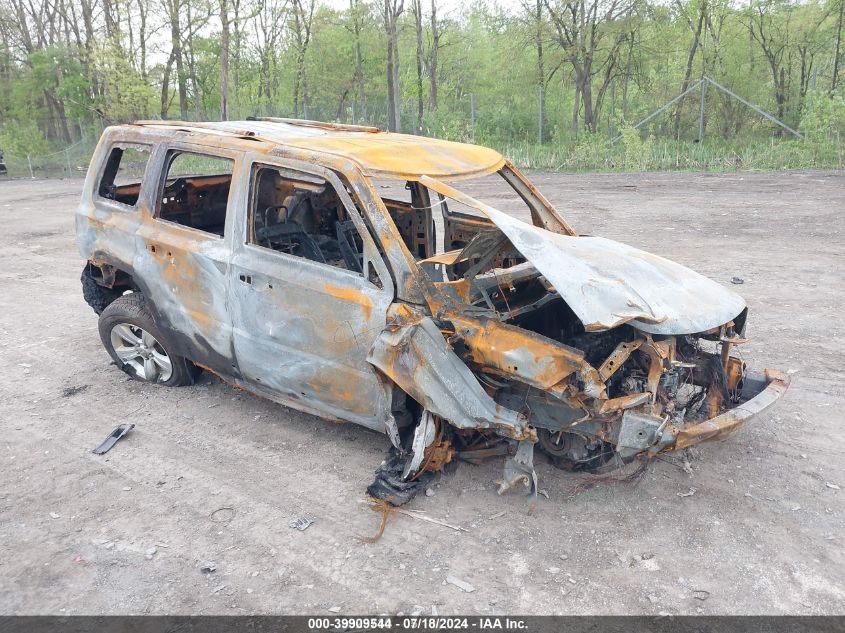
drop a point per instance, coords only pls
(94, 294)
(131, 309)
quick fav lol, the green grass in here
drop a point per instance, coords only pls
(630, 154)
(668, 155)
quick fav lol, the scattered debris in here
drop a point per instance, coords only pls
(688, 493)
(112, 439)
(700, 594)
(68, 392)
(223, 515)
(302, 523)
(737, 280)
(208, 568)
(687, 466)
(386, 509)
(460, 584)
(832, 485)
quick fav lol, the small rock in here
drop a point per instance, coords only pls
(737, 280)
(572, 580)
(460, 584)
(688, 493)
(208, 568)
(563, 557)
(429, 492)
(334, 609)
(650, 564)
(700, 594)
(53, 515)
(652, 599)
(832, 486)
(127, 488)
(553, 570)
(151, 552)
(249, 590)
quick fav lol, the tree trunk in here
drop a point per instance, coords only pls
(432, 59)
(224, 61)
(176, 48)
(688, 73)
(360, 83)
(417, 7)
(392, 10)
(541, 70)
(836, 51)
(165, 86)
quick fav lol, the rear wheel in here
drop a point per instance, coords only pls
(138, 346)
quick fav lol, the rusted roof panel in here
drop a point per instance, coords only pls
(379, 154)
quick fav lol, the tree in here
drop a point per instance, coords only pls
(582, 27)
(302, 12)
(392, 9)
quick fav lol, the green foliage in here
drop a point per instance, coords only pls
(62, 93)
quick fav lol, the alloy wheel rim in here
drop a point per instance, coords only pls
(140, 350)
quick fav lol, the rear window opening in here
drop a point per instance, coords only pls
(195, 192)
(123, 172)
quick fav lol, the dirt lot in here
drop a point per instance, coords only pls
(213, 474)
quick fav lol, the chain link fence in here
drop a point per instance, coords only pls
(516, 128)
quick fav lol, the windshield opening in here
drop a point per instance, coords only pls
(435, 228)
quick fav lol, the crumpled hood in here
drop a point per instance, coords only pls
(608, 283)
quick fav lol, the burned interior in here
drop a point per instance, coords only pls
(346, 272)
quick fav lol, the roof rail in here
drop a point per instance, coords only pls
(340, 127)
(199, 125)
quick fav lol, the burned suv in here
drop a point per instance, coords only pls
(344, 271)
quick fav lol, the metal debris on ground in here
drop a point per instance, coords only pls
(302, 523)
(460, 584)
(222, 515)
(112, 439)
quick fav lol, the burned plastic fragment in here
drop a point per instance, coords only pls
(389, 484)
(112, 439)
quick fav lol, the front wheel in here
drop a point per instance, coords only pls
(137, 346)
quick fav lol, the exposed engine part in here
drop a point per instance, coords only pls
(574, 451)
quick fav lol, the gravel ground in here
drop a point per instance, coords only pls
(213, 475)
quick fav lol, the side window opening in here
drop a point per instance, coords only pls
(411, 210)
(302, 215)
(122, 173)
(196, 191)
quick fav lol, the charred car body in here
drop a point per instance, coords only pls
(265, 252)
